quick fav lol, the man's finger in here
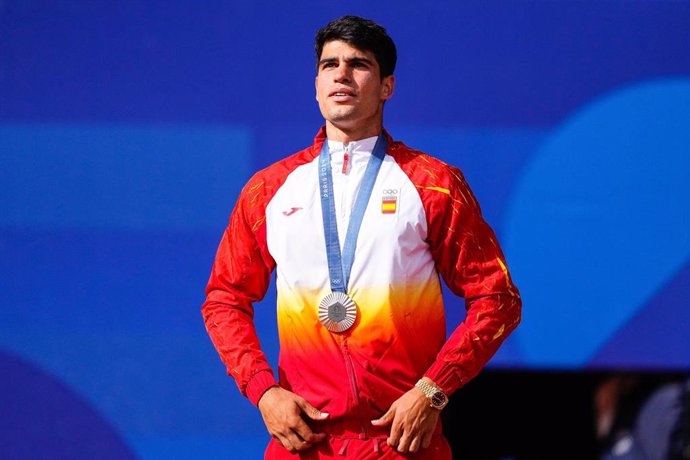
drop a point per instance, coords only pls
(414, 445)
(285, 442)
(427, 439)
(311, 411)
(302, 430)
(396, 432)
(297, 442)
(404, 443)
(386, 419)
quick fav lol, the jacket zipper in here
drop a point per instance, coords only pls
(350, 372)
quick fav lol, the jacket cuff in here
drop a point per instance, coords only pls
(258, 384)
(444, 376)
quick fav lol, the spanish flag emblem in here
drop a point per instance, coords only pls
(389, 205)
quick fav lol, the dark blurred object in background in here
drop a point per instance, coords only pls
(642, 417)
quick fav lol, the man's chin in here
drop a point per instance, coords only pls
(343, 115)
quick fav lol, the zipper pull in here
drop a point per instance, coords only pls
(346, 157)
(343, 450)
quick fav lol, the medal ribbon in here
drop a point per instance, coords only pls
(339, 266)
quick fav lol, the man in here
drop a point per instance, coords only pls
(358, 227)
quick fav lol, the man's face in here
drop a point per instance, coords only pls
(349, 88)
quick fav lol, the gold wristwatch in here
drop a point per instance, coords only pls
(437, 398)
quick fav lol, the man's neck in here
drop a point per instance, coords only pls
(346, 136)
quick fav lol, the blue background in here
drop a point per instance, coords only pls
(128, 128)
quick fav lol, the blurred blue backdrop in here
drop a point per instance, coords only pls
(128, 128)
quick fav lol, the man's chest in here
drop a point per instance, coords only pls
(393, 221)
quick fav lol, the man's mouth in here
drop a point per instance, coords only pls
(342, 93)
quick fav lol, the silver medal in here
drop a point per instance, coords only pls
(338, 312)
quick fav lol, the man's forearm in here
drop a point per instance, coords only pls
(233, 334)
(489, 321)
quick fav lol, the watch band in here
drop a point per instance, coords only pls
(437, 398)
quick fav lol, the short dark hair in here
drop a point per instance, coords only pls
(363, 34)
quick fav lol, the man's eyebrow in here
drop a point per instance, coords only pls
(326, 60)
(349, 60)
(357, 59)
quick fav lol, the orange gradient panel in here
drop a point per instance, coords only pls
(406, 321)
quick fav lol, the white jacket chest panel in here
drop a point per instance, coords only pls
(390, 247)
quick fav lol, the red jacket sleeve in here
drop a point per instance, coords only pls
(469, 259)
(240, 276)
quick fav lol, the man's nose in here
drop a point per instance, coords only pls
(342, 73)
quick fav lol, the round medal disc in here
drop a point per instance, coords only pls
(337, 311)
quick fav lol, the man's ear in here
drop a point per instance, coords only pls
(387, 87)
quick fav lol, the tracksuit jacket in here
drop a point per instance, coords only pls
(422, 221)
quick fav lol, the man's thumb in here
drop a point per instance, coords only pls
(385, 420)
(312, 412)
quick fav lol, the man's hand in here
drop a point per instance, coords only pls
(282, 413)
(412, 422)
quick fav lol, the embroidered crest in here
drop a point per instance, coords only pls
(389, 201)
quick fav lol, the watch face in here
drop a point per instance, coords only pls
(439, 399)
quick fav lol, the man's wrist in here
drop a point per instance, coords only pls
(268, 390)
(259, 383)
(435, 395)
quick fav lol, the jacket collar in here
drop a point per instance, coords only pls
(321, 138)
